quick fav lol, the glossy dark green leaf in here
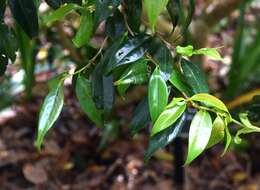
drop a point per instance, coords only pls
(153, 9)
(104, 8)
(217, 133)
(25, 13)
(2, 8)
(115, 25)
(50, 112)
(8, 46)
(165, 60)
(84, 95)
(98, 76)
(189, 17)
(55, 4)
(177, 80)
(134, 14)
(199, 135)
(173, 10)
(129, 52)
(85, 30)
(164, 138)
(103, 89)
(194, 77)
(141, 117)
(169, 116)
(157, 94)
(3, 64)
(135, 74)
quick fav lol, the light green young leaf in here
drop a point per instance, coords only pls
(60, 13)
(185, 51)
(217, 133)
(210, 100)
(85, 30)
(248, 128)
(169, 116)
(199, 135)
(211, 52)
(189, 51)
(228, 137)
(50, 111)
(154, 8)
(84, 95)
(157, 94)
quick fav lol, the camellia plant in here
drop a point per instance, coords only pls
(133, 52)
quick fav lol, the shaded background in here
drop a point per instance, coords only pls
(71, 159)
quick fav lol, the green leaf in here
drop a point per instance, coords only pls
(135, 74)
(228, 137)
(103, 89)
(141, 117)
(9, 45)
(85, 30)
(199, 135)
(104, 8)
(3, 64)
(173, 10)
(133, 12)
(157, 94)
(60, 13)
(210, 100)
(169, 116)
(185, 51)
(84, 95)
(54, 81)
(248, 128)
(2, 8)
(217, 133)
(153, 9)
(178, 82)
(28, 64)
(211, 52)
(55, 4)
(194, 77)
(129, 52)
(115, 25)
(25, 14)
(164, 138)
(164, 57)
(50, 112)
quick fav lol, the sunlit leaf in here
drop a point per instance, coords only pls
(157, 94)
(50, 112)
(164, 138)
(169, 116)
(85, 30)
(154, 8)
(217, 133)
(199, 135)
